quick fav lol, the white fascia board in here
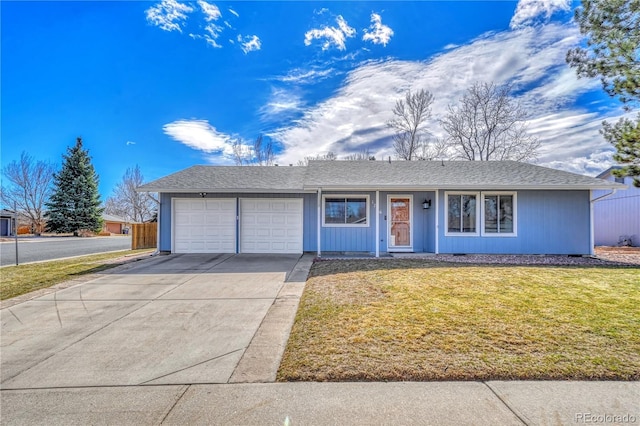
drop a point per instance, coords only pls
(375, 188)
(474, 187)
(226, 191)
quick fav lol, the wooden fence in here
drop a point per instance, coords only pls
(144, 235)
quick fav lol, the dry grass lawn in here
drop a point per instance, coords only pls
(22, 279)
(419, 320)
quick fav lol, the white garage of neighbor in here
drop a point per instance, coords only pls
(267, 225)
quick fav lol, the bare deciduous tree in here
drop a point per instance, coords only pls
(329, 156)
(29, 187)
(260, 154)
(489, 125)
(433, 150)
(129, 204)
(263, 152)
(363, 154)
(411, 114)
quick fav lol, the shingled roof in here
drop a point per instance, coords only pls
(230, 179)
(371, 175)
(444, 175)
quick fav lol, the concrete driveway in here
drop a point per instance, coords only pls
(178, 319)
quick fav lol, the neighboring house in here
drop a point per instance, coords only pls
(377, 207)
(115, 224)
(616, 216)
(7, 223)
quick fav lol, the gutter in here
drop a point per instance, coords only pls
(602, 197)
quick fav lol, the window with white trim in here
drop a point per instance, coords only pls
(462, 213)
(499, 214)
(349, 210)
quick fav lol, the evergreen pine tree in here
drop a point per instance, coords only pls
(75, 203)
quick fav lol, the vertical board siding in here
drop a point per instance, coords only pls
(309, 215)
(617, 215)
(549, 222)
(424, 235)
(345, 238)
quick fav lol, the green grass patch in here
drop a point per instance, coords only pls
(22, 279)
(420, 320)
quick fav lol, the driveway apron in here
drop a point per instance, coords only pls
(170, 320)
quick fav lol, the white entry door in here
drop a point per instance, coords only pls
(205, 225)
(271, 225)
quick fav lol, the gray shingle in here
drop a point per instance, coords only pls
(229, 179)
(374, 175)
(444, 175)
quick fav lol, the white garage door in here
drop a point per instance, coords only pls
(204, 225)
(271, 225)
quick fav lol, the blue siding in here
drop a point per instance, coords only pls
(424, 221)
(361, 239)
(309, 215)
(549, 222)
(617, 215)
(350, 238)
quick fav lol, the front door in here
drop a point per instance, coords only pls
(400, 223)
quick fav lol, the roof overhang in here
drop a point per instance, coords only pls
(224, 191)
(465, 187)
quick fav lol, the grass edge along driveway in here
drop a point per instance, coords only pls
(22, 279)
(372, 320)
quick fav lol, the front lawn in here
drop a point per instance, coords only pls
(22, 279)
(419, 320)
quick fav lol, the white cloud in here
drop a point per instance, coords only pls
(301, 76)
(531, 58)
(281, 103)
(168, 15)
(213, 30)
(200, 135)
(206, 37)
(211, 11)
(249, 43)
(331, 35)
(378, 33)
(451, 46)
(130, 143)
(528, 12)
(211, 41)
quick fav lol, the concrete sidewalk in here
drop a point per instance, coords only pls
(397, 403)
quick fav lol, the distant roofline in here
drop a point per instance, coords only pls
(608, 171)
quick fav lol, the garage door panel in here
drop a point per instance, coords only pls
(271, 225)
(205, 226)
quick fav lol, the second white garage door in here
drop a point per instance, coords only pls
(271, 225)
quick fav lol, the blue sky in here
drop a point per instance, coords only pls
(169, 84)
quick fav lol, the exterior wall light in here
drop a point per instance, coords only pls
(203, 194)
(426, 204)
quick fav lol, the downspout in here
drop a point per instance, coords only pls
(437, 222)
(158, 227)
(377, 223)
(319, 219)
(591, 231)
